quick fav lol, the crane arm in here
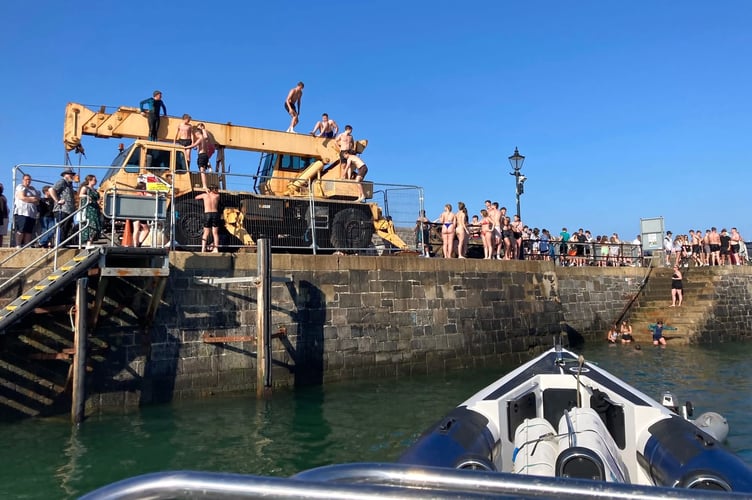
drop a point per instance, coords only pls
(127, 122)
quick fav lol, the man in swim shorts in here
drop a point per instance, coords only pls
(292, 105)
(326, 128)
(212, 219)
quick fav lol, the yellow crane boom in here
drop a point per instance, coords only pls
(128, 122)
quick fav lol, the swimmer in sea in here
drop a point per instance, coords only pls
(448, 221)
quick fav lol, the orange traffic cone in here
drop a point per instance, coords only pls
(127, 234)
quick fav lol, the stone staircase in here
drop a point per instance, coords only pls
(654, 303)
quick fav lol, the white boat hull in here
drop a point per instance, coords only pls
(560, 416)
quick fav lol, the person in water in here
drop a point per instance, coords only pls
(626, 332)
(613, 335)
(658, 337)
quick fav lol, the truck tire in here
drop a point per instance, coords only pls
(352, 228)
(189, 225)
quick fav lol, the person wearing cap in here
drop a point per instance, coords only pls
(151, 108)
(64, 199)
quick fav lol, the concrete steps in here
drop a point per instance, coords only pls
(682, 323)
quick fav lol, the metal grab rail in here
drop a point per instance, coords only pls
(379, 481)
(55, 250)
(126, 204)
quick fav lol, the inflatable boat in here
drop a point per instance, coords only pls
(559, 416)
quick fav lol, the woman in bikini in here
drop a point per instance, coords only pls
(626, 332)
(517, 227)
(448, 222)
(486, 231)
(461, 230)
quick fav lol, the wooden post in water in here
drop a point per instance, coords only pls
(79, 353)
(263, 318)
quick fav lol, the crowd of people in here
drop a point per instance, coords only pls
(48, 216)
(352, 167)
(713, 248)
(508, 238)
(58, 214)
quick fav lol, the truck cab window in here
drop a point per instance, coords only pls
(133, 166)
(180, 165)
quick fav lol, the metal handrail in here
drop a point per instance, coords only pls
(379, 481)
(155, 219)
(55, 250)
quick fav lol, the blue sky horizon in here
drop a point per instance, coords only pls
(624, 110)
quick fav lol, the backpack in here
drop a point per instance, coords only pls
(210, 148)
(45, 207)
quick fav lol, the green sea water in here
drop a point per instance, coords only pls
(299, 429)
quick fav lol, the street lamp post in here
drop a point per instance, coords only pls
(516, 160)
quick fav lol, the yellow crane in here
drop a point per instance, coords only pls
(293, 169)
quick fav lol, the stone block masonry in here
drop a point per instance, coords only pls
(350, 317)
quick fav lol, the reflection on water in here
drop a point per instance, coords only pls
(312, 426)
(69, 471)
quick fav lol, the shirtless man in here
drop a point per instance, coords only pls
(200, 142)
(183, 137)
(345, 142)
(355, 167)
(211, 215)
(326, 128)
(494, 217)
(715, 247)
(292, 105)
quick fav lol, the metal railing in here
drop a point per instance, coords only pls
(311, 219)
(379, 481)
(561, 253)
(53, 252)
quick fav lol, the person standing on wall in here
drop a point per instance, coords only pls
(677, 292)
(212, 218)
(25, 211)
(3, 215)
(151, 108)
(91, 220)
(46, 218)
(65, 204)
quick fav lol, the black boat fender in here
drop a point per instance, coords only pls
(679, 454)
(460, 440)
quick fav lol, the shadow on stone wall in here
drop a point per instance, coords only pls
(574, 339)
(309, 348)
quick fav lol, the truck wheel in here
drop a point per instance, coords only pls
(189, 225)
(351, 228)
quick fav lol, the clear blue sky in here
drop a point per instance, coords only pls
(624, 110)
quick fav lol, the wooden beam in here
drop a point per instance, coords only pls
(234, 338)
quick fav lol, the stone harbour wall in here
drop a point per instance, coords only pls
(731, 317)
(350, 317)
